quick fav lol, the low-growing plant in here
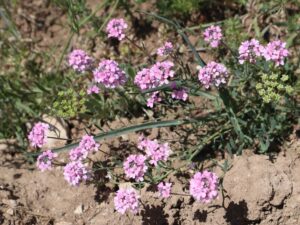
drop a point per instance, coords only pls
(249, 88)
(34, 83)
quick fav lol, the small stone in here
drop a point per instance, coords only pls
(10, 202)
(63, 223)
(58, 129)
(79, 209)
(10, 212)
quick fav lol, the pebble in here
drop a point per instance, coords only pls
(10, 202)
(79, 209)
(63, 223)
(10, 212)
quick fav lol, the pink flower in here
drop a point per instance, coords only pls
(116, 28)
(135, 167)
(276, 51)
(155, 151)
(154, 97)
(180, 94)
(37, 135)
(160, 72)
(126, 200)
(78, 153)
(44, 160)
(93, 89)
(79, 60)
(204, 186)
(164, 189)
(213, 35)
(166, 49)
(142, 142)
(250, 50)
(88, 143)
(75, 172)
(213, 74)
(156, 76)
(109, 74)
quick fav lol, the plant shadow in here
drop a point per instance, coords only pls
(236, 213)
(200, 216)
(153, 215)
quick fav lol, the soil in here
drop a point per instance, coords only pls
(257, 189)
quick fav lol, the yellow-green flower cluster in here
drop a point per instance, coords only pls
(273, 87)
(69, 103)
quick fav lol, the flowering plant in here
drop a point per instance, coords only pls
(240, 87)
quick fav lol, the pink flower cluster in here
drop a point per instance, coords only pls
(44, 160)
(250, 50)
(135, 167)
(37, 135)
(109, 74)
(116, 28)
(204, 186)
(75, 172)
(154, 97)
(89, 144)
(276, 51)
(213, 35)
(79, 60)
(166, 49)
(93, 89)
(180, 94)
(164, 189)
(155, 151)
(126, 199)
(213, 74)
(78, 153)
(156, 76)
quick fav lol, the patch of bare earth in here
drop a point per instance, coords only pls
(257, 189)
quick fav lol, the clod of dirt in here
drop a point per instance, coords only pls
(256, 186)
(63, 223)
(79, 210)
(58, 129)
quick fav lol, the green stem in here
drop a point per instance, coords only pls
(109, 16)
(209, 139)
(71, 35)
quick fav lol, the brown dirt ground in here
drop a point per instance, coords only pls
(258, 189)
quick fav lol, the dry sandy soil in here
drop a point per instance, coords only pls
(258, 189)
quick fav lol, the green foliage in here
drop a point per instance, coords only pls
(272, 87)
(177, 7)
(76, 9)
(69, 103)
(245, 114)
(234, 32)
(79, 14)
(240, 118)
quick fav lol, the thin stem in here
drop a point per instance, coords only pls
(141, 48)
(180, 194)
(232, 52)
(57, 163)
(65, 139)
(132, 42)
(106, 153)
(71, 35)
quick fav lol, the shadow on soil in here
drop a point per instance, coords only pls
(154, 215)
